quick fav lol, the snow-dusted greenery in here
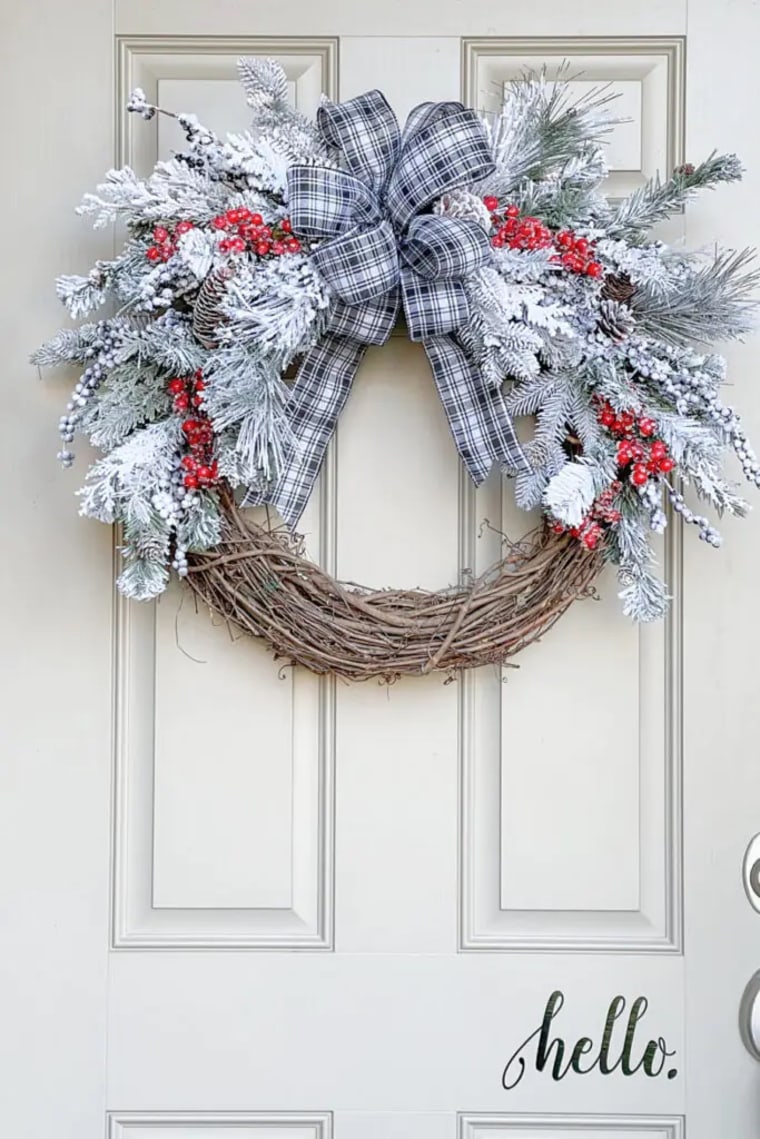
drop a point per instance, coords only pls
(629, 339)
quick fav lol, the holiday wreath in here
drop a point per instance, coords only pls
(531, 293)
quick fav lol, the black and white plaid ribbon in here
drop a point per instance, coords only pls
(377, 250)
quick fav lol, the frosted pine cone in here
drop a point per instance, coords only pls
(207, 315)
(463, 204)
(618, 287)
(615, 320)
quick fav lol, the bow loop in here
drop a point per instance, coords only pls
(448, 148)
(324, 203)
(366, 132)
(445, 247)
(424, 114)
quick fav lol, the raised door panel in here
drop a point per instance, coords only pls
(223, 1125)
(223, 820)
(571, 763)
(581, 1127)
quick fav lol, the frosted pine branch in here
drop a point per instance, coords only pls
(713, 302)
(658, 199)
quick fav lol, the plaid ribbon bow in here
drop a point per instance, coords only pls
(378, 251)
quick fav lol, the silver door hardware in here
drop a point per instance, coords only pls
(749, 1017)
(751, 872)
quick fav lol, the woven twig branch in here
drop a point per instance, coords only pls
(259, 580)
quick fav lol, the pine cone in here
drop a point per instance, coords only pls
(463, 204)
(618, 287)
(615, 320)
(207, 315)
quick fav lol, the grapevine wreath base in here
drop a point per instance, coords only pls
(259, 580)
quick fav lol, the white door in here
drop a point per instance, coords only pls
(249, 904)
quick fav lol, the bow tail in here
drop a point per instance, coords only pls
(319, 393)
(478, 417)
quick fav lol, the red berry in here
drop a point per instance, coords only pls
(647, 427)
(666, 464)
(182, 227)
(256, 219)
(512, 212)
(199, 384)
(564, 239)
(293, 245)
(639, 474)
(591, 535)
(580, 245)
(188, 462)
(176, 386)
(607, 417)
(181, 402)
(189, 426)
(190, 481)
(659, 449)
(286, 226)
(204, 473)
(262, 248)
(160, 234)
(491, 203)
(153, 253)
(594, 269)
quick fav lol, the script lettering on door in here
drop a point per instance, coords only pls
(551, 1050)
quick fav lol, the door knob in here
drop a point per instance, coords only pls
(749, 1017)
(751, 872)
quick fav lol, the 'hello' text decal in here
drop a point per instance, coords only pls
(584, 1055)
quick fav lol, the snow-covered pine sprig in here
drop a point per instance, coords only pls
(136, 386)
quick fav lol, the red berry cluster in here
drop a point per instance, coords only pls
(200, 466)
(603, 513)
(165, 241)
(247, 231)
(637, 449)
(575, 254)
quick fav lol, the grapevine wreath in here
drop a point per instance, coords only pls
(258, 269)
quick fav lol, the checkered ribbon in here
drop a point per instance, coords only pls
(379, 251)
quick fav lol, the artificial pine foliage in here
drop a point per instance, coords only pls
(598, 331)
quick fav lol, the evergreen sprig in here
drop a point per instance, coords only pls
(659, 198)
